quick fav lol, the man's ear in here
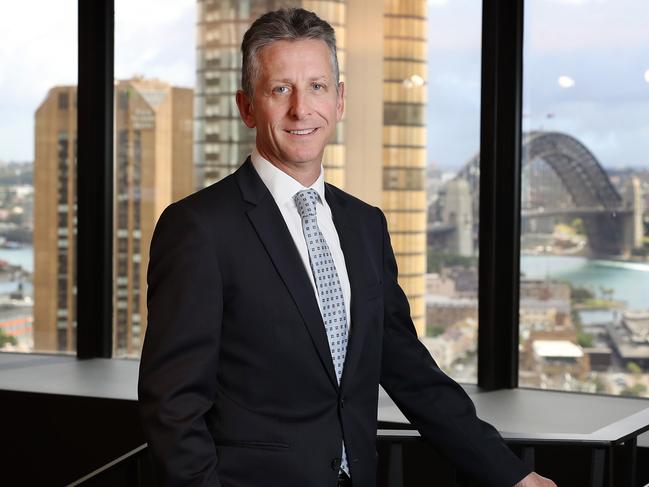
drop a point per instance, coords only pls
(340, 102)
(245, 109)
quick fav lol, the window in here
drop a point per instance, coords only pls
(584, 307)
(452, 177)
(154, 94)
(37, 169)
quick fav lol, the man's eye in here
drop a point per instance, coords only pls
(280, 89)
(318, 86)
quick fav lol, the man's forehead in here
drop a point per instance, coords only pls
(288, 50)
(275, 79)
(284, 60)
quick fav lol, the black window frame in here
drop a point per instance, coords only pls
(500, 141)
(95, 88)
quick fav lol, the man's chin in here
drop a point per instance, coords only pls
(304, 160)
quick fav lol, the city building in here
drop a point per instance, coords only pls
(544, 289)
(457, 213)
(629, 335)
(379, 150)
(54, 221)
(440, 285)
(555, 358)
(16, 323)
(443, 312)
(153, 167)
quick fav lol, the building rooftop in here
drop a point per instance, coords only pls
(557, 348)
(438, 300)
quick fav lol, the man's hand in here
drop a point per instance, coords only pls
(535, 480)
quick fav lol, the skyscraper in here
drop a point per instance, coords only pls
(55, 221)
(379, 151)
(404, 145)
(153, 167)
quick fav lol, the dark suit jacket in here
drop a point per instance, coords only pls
(237, 385)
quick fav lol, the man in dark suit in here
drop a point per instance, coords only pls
(275, 312)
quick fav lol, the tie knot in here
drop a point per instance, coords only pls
(306, 202)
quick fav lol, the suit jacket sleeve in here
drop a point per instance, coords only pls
(177, 381)
(435, 404)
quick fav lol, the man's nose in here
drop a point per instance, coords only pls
(299, 105)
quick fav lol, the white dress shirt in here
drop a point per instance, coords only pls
(283, 187)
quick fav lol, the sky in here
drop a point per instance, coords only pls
(601, 47)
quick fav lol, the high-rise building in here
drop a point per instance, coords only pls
(457, 213)
(404, 145)
(153, 167)
(55, 221)
(378, 152)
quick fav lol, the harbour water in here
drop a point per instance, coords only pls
(23, 257)
(628, 281)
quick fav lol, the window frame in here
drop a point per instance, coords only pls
(500, 193)
(95, 87)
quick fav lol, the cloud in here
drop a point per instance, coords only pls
(156, 38)
(577, 3)
(566, 25)
(38, 48)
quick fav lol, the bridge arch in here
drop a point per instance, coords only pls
(583, 177)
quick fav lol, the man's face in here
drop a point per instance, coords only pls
(295, 104)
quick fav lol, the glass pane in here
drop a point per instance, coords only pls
(452, 182)
(584, 309)
(154, 78)
(37, 176)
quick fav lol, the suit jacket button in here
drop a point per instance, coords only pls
(335, 464)
(342, 402)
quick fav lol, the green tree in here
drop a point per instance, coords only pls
(585, 340)
(581, 294)
(434, 330)
(6, 339)
(578, 225)
(633, 368)
(636, 390)
(438, 260)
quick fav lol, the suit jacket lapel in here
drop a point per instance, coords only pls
(355, 259)
(271, 229)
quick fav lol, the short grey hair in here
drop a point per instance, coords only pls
(290, 24)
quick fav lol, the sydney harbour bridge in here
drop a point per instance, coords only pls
(612, 221)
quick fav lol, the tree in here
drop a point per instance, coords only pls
(633, 368)
(585, 340)
(435, 330)
(635, 390)
(578, 225)
(581, 294)
(6, 339)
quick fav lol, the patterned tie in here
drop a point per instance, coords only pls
(330, 292)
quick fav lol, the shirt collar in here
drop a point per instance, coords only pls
(282, 186)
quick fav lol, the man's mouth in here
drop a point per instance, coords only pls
(302, 132)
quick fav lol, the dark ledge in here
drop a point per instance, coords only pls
(521, 415)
